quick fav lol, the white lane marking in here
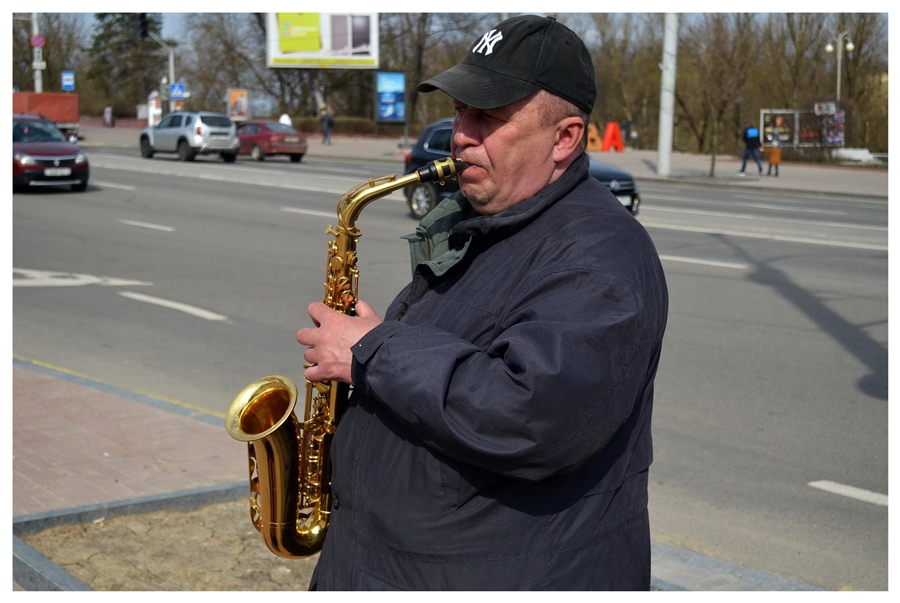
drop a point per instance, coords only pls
(311, 212)
(23, 277)
(675, 258)
(228, 172)
(783, 207)
(737, 233)
(858, 493)
(146, 225)
(700, 212)
(188, 309)
(124, 187)
(786, 206)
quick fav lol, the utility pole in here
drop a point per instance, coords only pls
(171, 52)
(142, 30)
(38, 55)
(667, 96)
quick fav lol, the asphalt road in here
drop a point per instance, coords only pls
(187, 281)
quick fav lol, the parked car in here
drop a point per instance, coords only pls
(434, 143)
(263, 138)
(192, 133)
(42, 156)
(619, 182)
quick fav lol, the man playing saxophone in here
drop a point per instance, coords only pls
(498, 433)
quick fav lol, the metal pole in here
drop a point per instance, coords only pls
(171, 52)
(840, 54)
(38, 55)
(667, 96)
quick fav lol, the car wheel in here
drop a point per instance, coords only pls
(229, 157)
(422, 199)
(297, 158)
(146, 148)
(185, 152)
(256, 153)
(80, 187)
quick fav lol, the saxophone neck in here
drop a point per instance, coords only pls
(355, 200)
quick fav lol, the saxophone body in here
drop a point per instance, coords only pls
(289, 459)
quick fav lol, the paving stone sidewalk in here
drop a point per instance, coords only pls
(85, 452)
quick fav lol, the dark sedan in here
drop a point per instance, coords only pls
(434, 143)
(43, 157)
(261, 139)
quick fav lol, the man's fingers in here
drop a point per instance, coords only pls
(364, 310)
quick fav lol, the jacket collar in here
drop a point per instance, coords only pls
(443, 236)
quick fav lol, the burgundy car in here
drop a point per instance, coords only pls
(43, 157)
(262, 138)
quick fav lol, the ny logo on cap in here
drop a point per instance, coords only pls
(486, 45)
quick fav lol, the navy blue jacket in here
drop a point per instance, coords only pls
(499, 433)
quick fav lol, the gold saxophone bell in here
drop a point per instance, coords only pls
(290, 463)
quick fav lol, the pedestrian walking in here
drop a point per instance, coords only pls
(751, 148)
(327, 124)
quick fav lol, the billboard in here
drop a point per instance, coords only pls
(238, 104)
(780, 124)
(322, 40)
(802, 128)
(390, 97)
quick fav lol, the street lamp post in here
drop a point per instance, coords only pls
(171, 52)
(841, 45)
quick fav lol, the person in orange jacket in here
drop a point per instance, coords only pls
(774, 153)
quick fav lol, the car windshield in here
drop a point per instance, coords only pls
(440, 140)
(219, 121)
(36, 131)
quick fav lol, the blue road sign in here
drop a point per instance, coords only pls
(68, 80)
(176, 91)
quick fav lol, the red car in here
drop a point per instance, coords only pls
(262, 138)
(43, 157)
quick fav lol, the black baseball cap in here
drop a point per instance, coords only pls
(517, 58)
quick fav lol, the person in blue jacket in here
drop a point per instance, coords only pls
(751, 148)
(498, 436)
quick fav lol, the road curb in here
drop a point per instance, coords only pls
(34, 572)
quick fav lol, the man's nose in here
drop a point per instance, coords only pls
(465, 130)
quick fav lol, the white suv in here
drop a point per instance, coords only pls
(192, 133)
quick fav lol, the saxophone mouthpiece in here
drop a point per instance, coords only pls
(459, 164)
(441, 170)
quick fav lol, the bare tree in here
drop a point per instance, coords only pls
(65, 37)
(436, 42)
(791, 45)
(722, 51)
(626, 50)
(863, 75)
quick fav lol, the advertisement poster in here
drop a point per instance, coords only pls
(390, 95)
(238, 105)
(322, 40)
(780, 124)
(833, 129)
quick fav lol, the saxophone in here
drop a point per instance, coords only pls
(290, 465)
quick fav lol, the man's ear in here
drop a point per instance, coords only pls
(569, 137)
